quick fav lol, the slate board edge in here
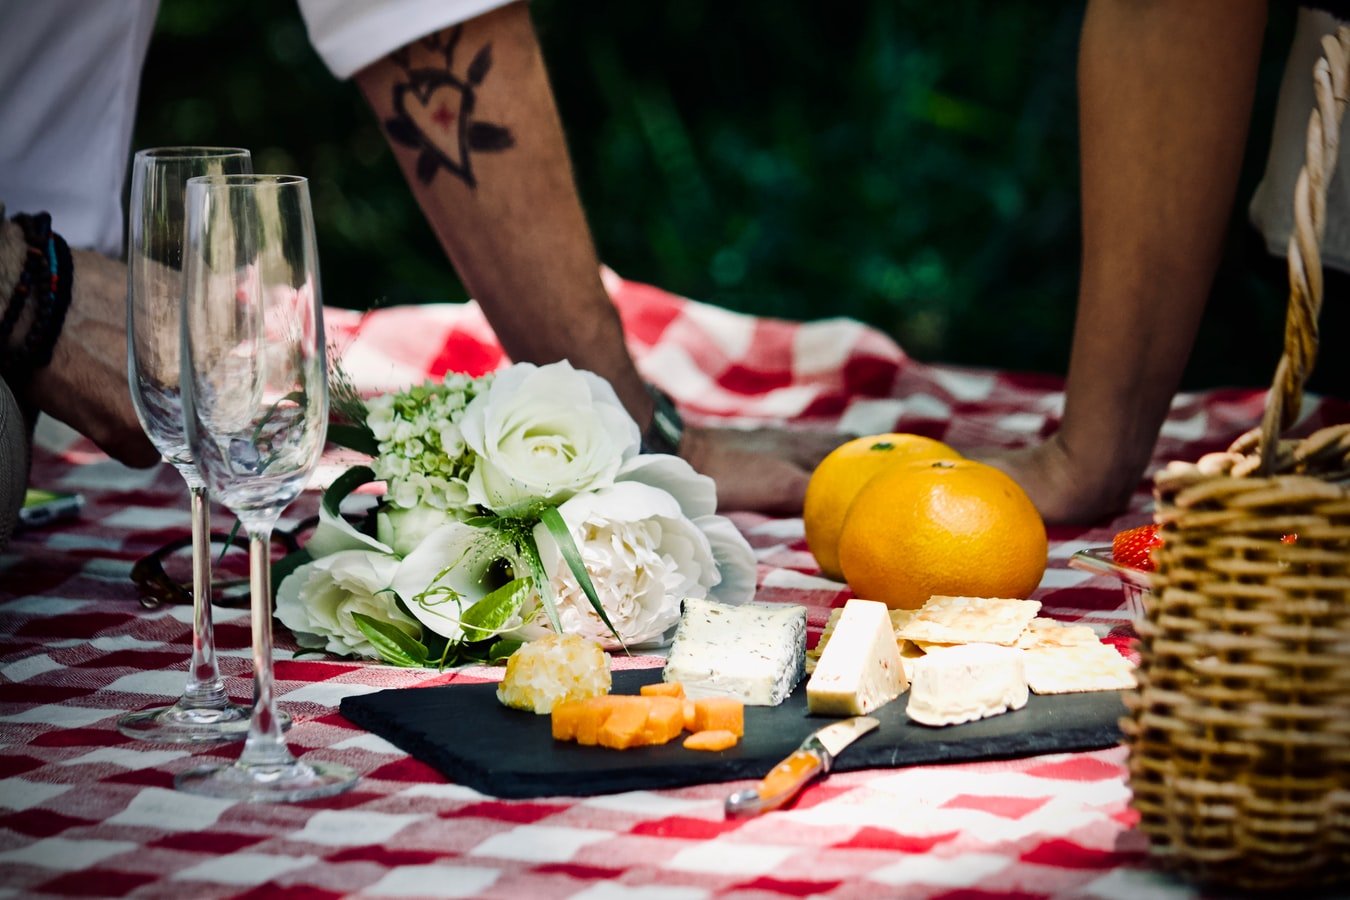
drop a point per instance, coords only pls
(524, 784)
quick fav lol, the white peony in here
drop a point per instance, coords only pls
(696, 493)
(544, 434)
(697, 497)
(643, 555)
(317, 600)
(453, 568)
(735, 560)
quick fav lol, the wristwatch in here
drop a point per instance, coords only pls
(663, 435)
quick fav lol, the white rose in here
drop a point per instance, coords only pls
(317, 600)
(453, 568)
(403, 529)
(643, 555)
(545, 433)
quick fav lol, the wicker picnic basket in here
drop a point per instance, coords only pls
(1239, 732)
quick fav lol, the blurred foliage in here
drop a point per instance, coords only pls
(910, 164)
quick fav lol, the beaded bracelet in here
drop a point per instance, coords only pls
(46, 280)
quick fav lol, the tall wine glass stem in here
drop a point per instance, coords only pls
(264, 746)
(206, 688)
(204, 713)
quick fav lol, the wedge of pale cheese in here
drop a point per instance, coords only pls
(961, 684)
(754, 652)
(899, 617)
(860, 669)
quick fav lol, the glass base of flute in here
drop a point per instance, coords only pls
(266, 770)
(186, 724)
(204, 713)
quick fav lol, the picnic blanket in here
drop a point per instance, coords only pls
(87, 812)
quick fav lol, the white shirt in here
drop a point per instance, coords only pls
(70, 75)
(352, 34)
(1272, 206)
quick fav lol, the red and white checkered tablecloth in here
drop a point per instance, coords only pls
(87, 812)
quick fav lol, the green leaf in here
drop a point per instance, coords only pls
(542, 583)
(504, 648)
(394, 647)
(285, 566)
(486, 617)
(229, 541)
(354, 437)
(343, 485)
(553, 521)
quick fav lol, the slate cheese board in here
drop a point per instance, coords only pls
(468, 736)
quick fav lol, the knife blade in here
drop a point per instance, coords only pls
(814, 757)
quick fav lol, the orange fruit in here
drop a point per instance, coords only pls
(954, 527)
(840, 475)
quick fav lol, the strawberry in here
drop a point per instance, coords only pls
(1133, 547)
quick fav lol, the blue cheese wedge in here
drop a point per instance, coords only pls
(755, 653)
(860, 669)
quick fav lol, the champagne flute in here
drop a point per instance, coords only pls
(154, 302)
(255, 407)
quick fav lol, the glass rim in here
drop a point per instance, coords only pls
(238, 179)
(191, 152)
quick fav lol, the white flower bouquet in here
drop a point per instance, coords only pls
(515, 504)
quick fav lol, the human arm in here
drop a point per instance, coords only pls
(85, 383)
(472, 121)
(1165, 97)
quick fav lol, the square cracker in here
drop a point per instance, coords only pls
(1043, 632)
(970, 620)
(1077, 668)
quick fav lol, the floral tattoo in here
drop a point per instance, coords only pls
(434, 109)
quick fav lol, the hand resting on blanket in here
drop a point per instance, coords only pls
(764, 470)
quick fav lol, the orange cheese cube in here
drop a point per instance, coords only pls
(565, 718)
(594, 712)
(665, 720)
(623, 727)
(719, 714)
(662, 689)
(711, 739)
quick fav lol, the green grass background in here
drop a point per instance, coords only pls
(906, 163)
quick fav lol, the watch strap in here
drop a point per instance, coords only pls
(666, 430)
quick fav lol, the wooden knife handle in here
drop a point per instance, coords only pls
(778, 787)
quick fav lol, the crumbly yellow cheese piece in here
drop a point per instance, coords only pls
(552, 669)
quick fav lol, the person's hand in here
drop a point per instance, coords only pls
(1067, 489)
(765, 470)
(85, 385)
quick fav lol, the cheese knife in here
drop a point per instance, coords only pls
(814, 757)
